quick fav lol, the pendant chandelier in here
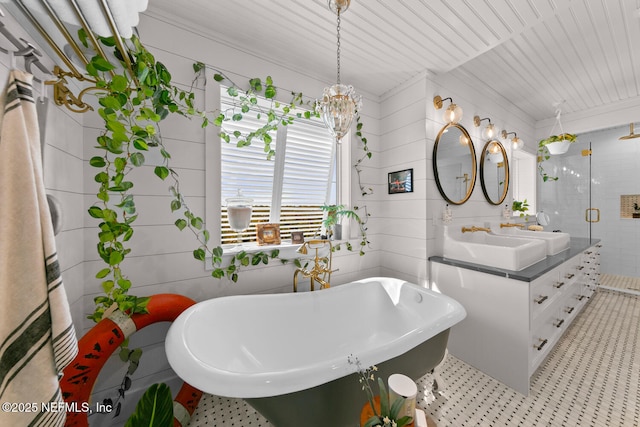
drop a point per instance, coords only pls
(339, 103)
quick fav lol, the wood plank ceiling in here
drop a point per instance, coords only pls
(533, 52)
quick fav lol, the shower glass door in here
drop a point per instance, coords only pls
(567, 200)
(594, 195)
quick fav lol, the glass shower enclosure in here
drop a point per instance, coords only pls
(594, 196)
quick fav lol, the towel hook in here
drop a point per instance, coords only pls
(28, 51)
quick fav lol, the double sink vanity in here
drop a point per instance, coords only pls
(521, 289)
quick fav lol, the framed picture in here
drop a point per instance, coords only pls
(297, 237)
(268, 234)
(401, 181)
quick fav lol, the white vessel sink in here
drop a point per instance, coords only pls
(480, 247)
(556, 242)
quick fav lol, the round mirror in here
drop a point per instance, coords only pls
(494, 172)
(454, 163)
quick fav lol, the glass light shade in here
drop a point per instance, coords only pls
(489, 132)
(516, 143)
(338, 107)
(463, 140)
(453, 114)
(493, 148)
(494, 154)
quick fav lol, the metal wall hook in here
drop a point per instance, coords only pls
(25, 49)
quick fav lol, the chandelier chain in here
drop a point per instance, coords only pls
(338, 50)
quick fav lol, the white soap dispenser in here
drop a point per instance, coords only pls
(447, 215)
(506, 212)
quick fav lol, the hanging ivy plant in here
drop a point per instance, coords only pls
(544, 154)
(132, 105)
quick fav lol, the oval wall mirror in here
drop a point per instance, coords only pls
(494, 172)
(454, 163)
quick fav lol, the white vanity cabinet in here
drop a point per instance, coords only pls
(514, 321)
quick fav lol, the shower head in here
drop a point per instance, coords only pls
(631, 134)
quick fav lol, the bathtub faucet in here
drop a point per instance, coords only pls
(474, 229)
(321, 271)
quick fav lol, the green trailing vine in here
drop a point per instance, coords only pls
(544, 155)
(132, 104)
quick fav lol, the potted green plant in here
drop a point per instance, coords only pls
(333, 225)
(636, 208)
(384, 412)
(522, 207)
(557, 144)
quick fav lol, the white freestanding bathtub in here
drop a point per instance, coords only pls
(286, 354)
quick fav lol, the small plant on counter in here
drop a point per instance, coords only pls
(386, 415)
(336, 212)
(521, 207)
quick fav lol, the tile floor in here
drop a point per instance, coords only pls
(592, 378)
(620, 282)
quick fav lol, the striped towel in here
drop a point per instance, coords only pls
(37, 338)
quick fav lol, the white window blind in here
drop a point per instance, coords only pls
(289, 189)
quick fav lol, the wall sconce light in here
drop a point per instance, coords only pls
(494, 153)
(516, 143)
(453, 113)
(490, 131)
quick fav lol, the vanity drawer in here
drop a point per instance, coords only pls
(543, 292)
(543, 338)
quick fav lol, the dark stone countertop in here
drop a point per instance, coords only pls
(577, 246)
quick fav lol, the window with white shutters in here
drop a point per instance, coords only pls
(289, 189)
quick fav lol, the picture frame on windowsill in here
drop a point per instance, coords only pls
(268, 234)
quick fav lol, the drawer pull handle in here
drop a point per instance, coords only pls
(580, 297)
(540, 299)
(558, 285)
(588, 252)
(542, 344)
(580, 267)
(569, 310)
(558, 323)
(569, 276)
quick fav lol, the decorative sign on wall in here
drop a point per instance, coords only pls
(401, 181)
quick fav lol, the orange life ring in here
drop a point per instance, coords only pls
(104, 338)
